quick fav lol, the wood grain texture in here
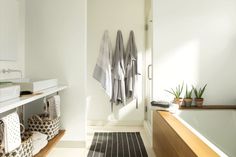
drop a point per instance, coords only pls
(172, 139)
(45, 151)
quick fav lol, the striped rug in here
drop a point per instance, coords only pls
(117, 144)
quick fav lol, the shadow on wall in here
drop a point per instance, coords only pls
(197, 45)
(119, 116)
(99, 106)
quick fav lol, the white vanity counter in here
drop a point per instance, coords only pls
(14, 103)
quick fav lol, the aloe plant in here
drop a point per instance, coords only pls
(188, 93)
(199, 93)
(177, 92)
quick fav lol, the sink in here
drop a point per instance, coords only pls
(8, 92)
(35, 85)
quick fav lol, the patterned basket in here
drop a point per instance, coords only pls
(18, 152)
(43, 124)
(27, 144)
(25, 149)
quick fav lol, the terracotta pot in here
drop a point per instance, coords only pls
(199, 102)
(188, 102)
(178, 101)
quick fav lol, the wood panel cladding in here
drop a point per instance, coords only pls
(172, 139)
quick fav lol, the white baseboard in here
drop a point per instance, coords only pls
(148, 130)
(71, 144)
(114, 123)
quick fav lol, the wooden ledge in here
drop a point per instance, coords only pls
(227, 107)
(51, 144)
(199, 148)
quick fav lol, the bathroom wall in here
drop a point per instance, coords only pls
(20, 62)
(113, 15)
(148, 6)
(56, 48)
(195, 42)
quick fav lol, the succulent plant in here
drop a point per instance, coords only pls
(177, 92)
(188, 93)
(199, 93)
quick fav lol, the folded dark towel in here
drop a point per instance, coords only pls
(160, 104)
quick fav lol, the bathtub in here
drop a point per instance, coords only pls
(217, 128)
(213, 130)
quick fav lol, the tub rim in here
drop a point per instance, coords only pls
(197, 133)
(197, 145)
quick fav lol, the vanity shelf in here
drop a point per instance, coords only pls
(14, 103)
(51, 144)
(209, 107)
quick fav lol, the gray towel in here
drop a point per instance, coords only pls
(131, 68)
(102, 71)
(118, 94)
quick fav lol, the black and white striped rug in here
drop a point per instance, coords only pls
(117, 144)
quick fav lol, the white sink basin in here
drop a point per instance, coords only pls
(8, 92)
(35, 85)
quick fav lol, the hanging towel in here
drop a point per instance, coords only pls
(131, 69)
(11, 132)
(118, 94)
(102, 71)
(53, 107)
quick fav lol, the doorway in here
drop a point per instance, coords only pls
(148, 78)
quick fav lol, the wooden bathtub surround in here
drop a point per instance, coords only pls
(172, 139)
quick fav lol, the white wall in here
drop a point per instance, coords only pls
(56, 48)
(195, 41)
(20, 62)
(113, 15)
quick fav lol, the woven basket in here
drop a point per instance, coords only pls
(27, 144)
(18, 152)
(43, 124)
(25, 149)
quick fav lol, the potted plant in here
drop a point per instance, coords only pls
(198, 96)
(177, 94)
(188, 97)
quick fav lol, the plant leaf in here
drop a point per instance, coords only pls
(169, 92)
(202, 91)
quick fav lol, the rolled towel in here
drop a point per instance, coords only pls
(11, 132)
(163, 104)
(38, 145)
(38, 136)
(173, 108)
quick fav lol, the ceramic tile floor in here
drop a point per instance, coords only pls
(82, 152)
